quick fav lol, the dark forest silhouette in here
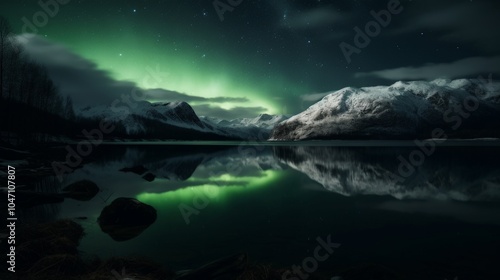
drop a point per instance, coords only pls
(31, 107)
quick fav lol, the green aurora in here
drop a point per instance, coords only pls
(186, 72)
(191, 61)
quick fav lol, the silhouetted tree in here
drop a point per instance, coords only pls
(69, 112)
(5, 33)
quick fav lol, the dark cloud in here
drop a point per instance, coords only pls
(458, 69)
(77, 77)
(312, 19)
(168, 95)
(472, 22)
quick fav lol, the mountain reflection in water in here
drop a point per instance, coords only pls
(273, 202)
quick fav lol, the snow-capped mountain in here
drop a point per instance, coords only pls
(258, 128)
(173, 119)
(465, 108)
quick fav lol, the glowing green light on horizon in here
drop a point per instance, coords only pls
(177, 73)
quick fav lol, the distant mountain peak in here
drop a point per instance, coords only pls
(264, 117)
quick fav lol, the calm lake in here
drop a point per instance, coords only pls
(424, 216)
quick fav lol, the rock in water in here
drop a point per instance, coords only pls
(150, 177)
(126, 218)
(139, 169)
(83, 190)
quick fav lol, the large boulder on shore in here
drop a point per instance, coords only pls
(126, 218)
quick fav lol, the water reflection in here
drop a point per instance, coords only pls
(456, 173)
(462, 174)
(272, 204)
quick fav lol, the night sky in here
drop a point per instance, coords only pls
(270, 56)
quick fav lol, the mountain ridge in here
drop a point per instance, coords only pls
(149, 119)
(404, 110)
